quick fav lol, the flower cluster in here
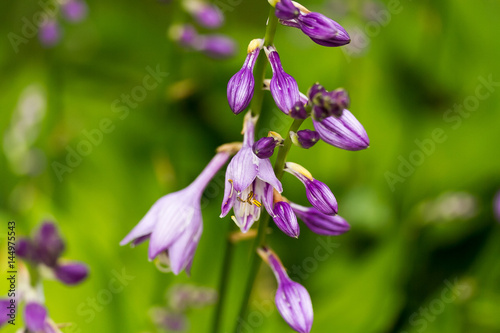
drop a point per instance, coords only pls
(42, 254)
(207, 16)
(72, 11)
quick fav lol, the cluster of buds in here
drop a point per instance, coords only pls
(207, 16)
(41, 257)
(72, 11)
(180, 299)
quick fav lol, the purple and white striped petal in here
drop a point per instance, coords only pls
(285, 219)
(344, 132)
(320, 223)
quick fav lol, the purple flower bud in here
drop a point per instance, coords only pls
(285, 219)
(292, 299)
(315, 90)
(318, 193)
(299, 111)
(5, 311)
(323, 30)
(208, 16)
(264, 147)
(74, 10)
(344, 132)
(283, 86)
(186, 35)
(305, 138)
(48, 243)
(320, 223)
(217, 46)
(49, 33)
(72, 273)
(241, 86)
(24, 249)
(35, 316)
(285, 10)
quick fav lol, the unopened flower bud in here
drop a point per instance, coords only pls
(283, 86)
(304, 138)
(344, 132)
(186, 35)
(323, 30)
(299, 111)
(292, 299)
(285, 10)
(216, 46)
(71, 273)
(285, 218)
(240, 87)
(315, 90)
(49, 33)
(318, 193)
(264, 147)
(208, 16)
(74, 10)
(320, 223)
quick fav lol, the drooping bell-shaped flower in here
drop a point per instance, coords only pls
(320, 223)
(292, 299)
(304, 138)
(249, 182)
(318, 193)
(240, 87)
(74, 10)
(283, 86)
(321, 29)
(174, 224)
(344, 132)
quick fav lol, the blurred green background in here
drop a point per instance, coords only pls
(421, 218)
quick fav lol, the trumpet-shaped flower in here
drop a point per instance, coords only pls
(174, 224)
(249, 182)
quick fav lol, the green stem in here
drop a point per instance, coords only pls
(263, 225)
(260, 66)
(223, 282)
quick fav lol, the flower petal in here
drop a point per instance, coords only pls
(34, 316)
(243, 168)
(266, 174)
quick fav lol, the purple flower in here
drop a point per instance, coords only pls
(216, 46)
(186, 35)
(264, 147)
(208, 16)
(74, 10)
(304, 138)
(321, 29)
(292, 299)
(49, 33)
(174, 224)
(241, 86)
(285, 219)
(320, 223)
(35, 317)
(318, 193)
(5, 311)
(249, 182)
(285, 10)
(344, 132)
(48, 244)
(327, 103)
(71, 273)
(283, 86)
(299, 111)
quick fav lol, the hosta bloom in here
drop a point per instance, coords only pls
(285, 219)
(249, 182)
(292, 299)
(320, 223)
(318, 193)
(283, 86)
(344, 132)
(304, 138)
(240, 87)
(321, 29)
(174, 224)
(46, 248)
